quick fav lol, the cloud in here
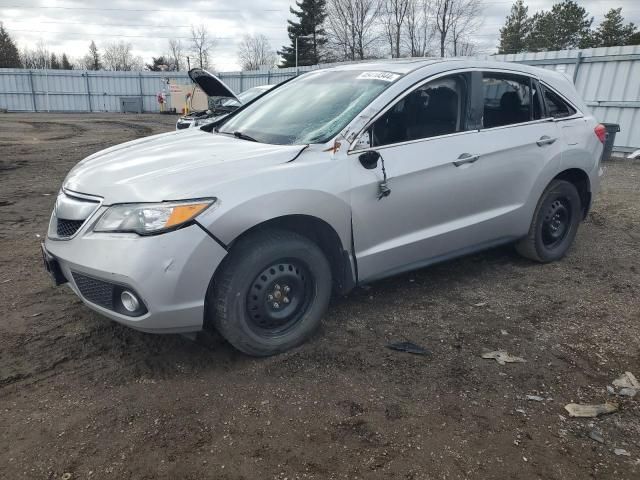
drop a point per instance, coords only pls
(69, 26)
(147, 24)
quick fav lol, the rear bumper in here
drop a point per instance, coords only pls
(169, 272)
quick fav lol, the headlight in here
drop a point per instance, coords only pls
(150, 218)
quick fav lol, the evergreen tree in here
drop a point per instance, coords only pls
(612, 31)
(311, 16)
(65, 64)
(92, 59)
(54, 64)
(634, 39)
(158, 64)
(566, 26)
(9, 55)
(516, 29)
(541, 35)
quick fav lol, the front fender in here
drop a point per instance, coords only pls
(332, 209)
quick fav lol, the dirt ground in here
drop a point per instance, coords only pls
(82, 397)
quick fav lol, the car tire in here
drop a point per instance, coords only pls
(554, 225)
(271, 292)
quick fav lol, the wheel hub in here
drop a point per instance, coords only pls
(278, 297)
(556, 222)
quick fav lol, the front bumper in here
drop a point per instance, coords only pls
(170, 273)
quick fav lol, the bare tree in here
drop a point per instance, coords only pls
(459, 16)
(202, 43)
(119, 56)
(394, 18)
(466, 49)
(255, 52)
(36, 58)
(420, 28)
(351, 26)
(466, 21)
(175, 53)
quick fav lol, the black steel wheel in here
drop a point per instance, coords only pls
(279, 296)
(554, 225)
(270, 293)
(556, 222)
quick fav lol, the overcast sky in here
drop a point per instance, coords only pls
(69, 26)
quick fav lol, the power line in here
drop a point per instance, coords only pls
(101, 24)
(118, 24)
(89, 35)
(217, 10)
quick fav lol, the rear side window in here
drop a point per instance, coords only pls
(508, 99)
(556, 106)
(436, 108)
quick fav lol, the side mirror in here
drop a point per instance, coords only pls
(369, 160)
(364, 141)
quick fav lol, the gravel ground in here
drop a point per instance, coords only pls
(82, 397)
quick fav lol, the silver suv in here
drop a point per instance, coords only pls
(336, 178)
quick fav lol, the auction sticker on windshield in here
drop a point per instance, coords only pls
(384, 76)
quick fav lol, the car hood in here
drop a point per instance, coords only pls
(173, 166)
(210, 84)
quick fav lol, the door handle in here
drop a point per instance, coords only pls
(545, 140)
(466, 158)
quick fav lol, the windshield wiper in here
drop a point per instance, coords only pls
(239, 134)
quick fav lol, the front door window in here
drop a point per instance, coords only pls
(434, 109)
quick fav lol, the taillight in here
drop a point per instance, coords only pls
(601, 132)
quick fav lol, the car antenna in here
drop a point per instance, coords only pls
(383, 188)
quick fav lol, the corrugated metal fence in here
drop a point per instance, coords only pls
(607, 78)
(80, 91)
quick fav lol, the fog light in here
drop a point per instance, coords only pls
(129, 301)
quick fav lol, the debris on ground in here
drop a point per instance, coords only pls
(596, 435)
(628, 385)
(590, 411)
(621, 451)
(480, 304)
(627, 380)
(535, 398)
(627, 392)
(502, 357)
(408, 347)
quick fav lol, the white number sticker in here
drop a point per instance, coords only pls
(384, 76)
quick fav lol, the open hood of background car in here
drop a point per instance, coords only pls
(211, 85)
